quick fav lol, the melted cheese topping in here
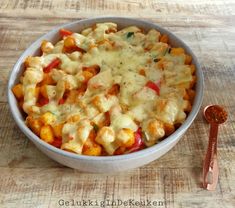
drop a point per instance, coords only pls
(128, 59)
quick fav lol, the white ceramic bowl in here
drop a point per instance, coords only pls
(104, 164)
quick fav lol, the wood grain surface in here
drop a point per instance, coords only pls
(29, 179)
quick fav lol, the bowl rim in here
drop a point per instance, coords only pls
(138, 154)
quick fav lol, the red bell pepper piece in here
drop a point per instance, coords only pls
(64, 32)
(61, 101)
(154, 86)
(43, 101)
(57, 142)
(119, 151)
(55, 63)
(139, 144)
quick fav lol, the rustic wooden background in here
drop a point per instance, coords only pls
(30, 179)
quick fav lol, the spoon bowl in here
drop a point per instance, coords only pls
(215, 114)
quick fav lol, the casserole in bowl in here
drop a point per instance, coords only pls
(124, 111)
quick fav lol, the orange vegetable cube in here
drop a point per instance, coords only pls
(48, 118)
(46, 46)
(34, 124)
(177, 51)
(92, 150)
(169, 129)
(188, 59)
(94, 69)
(126, 137)
(47, 80)
(87, 75)
(57, 130)
(91, 147)
(18, 91)
(69, 42)
(46, 134)
(32, 61)
(74, 118)
(164, 38)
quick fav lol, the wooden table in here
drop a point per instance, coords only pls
(29, 179)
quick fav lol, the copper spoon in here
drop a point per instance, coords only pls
(215, 115)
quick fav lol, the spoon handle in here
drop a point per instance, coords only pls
(210, 167)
